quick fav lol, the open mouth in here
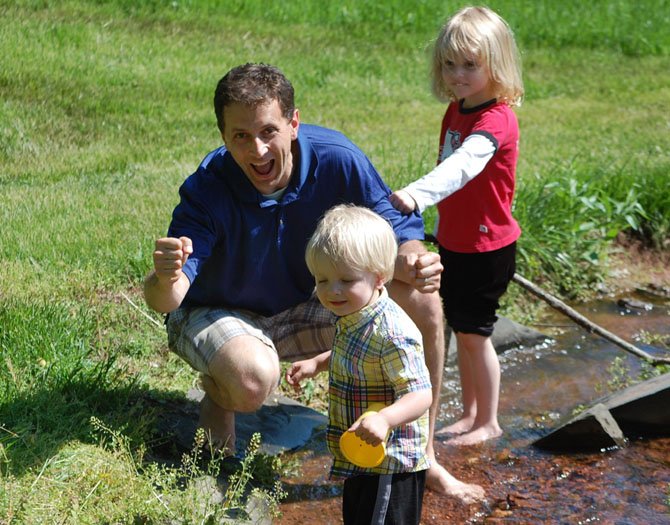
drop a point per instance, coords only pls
(263, 169)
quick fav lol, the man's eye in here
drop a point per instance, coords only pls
(239, 136)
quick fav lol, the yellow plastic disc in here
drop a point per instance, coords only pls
(359, 452)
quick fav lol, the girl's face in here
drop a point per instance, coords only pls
(469, 79)
(344, 290)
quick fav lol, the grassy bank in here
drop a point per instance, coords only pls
(105, 107)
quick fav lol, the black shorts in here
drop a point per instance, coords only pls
(389, 499)
(472, 284)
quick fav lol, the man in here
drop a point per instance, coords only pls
(231, 272)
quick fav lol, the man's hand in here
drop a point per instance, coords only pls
(166, 286)
(170, 257)
(428, 272)
(418, 267)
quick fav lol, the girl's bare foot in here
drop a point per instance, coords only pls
(440, 481)
(476, 436)
(460, 427)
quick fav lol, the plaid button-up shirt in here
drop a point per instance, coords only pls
(377, 357)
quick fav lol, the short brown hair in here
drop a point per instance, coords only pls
(251, 85)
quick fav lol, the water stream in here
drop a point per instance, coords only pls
(540, 387)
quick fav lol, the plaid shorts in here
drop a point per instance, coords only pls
(195, 334)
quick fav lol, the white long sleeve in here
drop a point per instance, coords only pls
(452, 173)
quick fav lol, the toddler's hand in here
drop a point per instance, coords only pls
(372, 429)
(300, 370)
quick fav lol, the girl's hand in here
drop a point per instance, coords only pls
(402, 201)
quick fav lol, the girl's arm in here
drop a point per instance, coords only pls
(449, 176)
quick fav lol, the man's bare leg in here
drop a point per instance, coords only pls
(438, 479)
(218, 423)
(426, 312)
(242, 374)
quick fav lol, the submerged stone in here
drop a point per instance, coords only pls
(639, 411)
(284, 424)
(592, 430)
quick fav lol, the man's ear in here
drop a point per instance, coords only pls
(295, 124)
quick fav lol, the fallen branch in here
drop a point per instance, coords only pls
(140, 310)
(585, 323)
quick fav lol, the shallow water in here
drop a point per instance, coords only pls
(524, 485)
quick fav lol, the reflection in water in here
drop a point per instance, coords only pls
(540, 387)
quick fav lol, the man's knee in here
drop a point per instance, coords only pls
(245, 373)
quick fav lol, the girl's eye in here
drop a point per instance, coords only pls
(471, 65)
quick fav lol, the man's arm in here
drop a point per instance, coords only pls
(166, 286)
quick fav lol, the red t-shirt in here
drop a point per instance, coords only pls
(478, 217)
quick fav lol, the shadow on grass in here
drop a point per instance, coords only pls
(34, 427)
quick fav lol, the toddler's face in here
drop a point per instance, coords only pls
(468, 78)
(345, 290)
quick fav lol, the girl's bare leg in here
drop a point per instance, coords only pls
(485, 369)
(467, 419)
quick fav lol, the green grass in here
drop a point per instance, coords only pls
(105, 107)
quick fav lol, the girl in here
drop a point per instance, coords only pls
(476, 68)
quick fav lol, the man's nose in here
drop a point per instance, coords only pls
(258, 146)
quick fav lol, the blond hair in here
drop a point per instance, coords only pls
(354, 236)
(481, 33)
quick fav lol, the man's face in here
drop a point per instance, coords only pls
(259, 139)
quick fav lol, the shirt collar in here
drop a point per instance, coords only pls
(366, 314)
(306, 165)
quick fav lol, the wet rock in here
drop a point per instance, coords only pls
(507, 334)
(629, 303)
(639, 411)
(592, 430)
(655, 291)
(283, 424)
